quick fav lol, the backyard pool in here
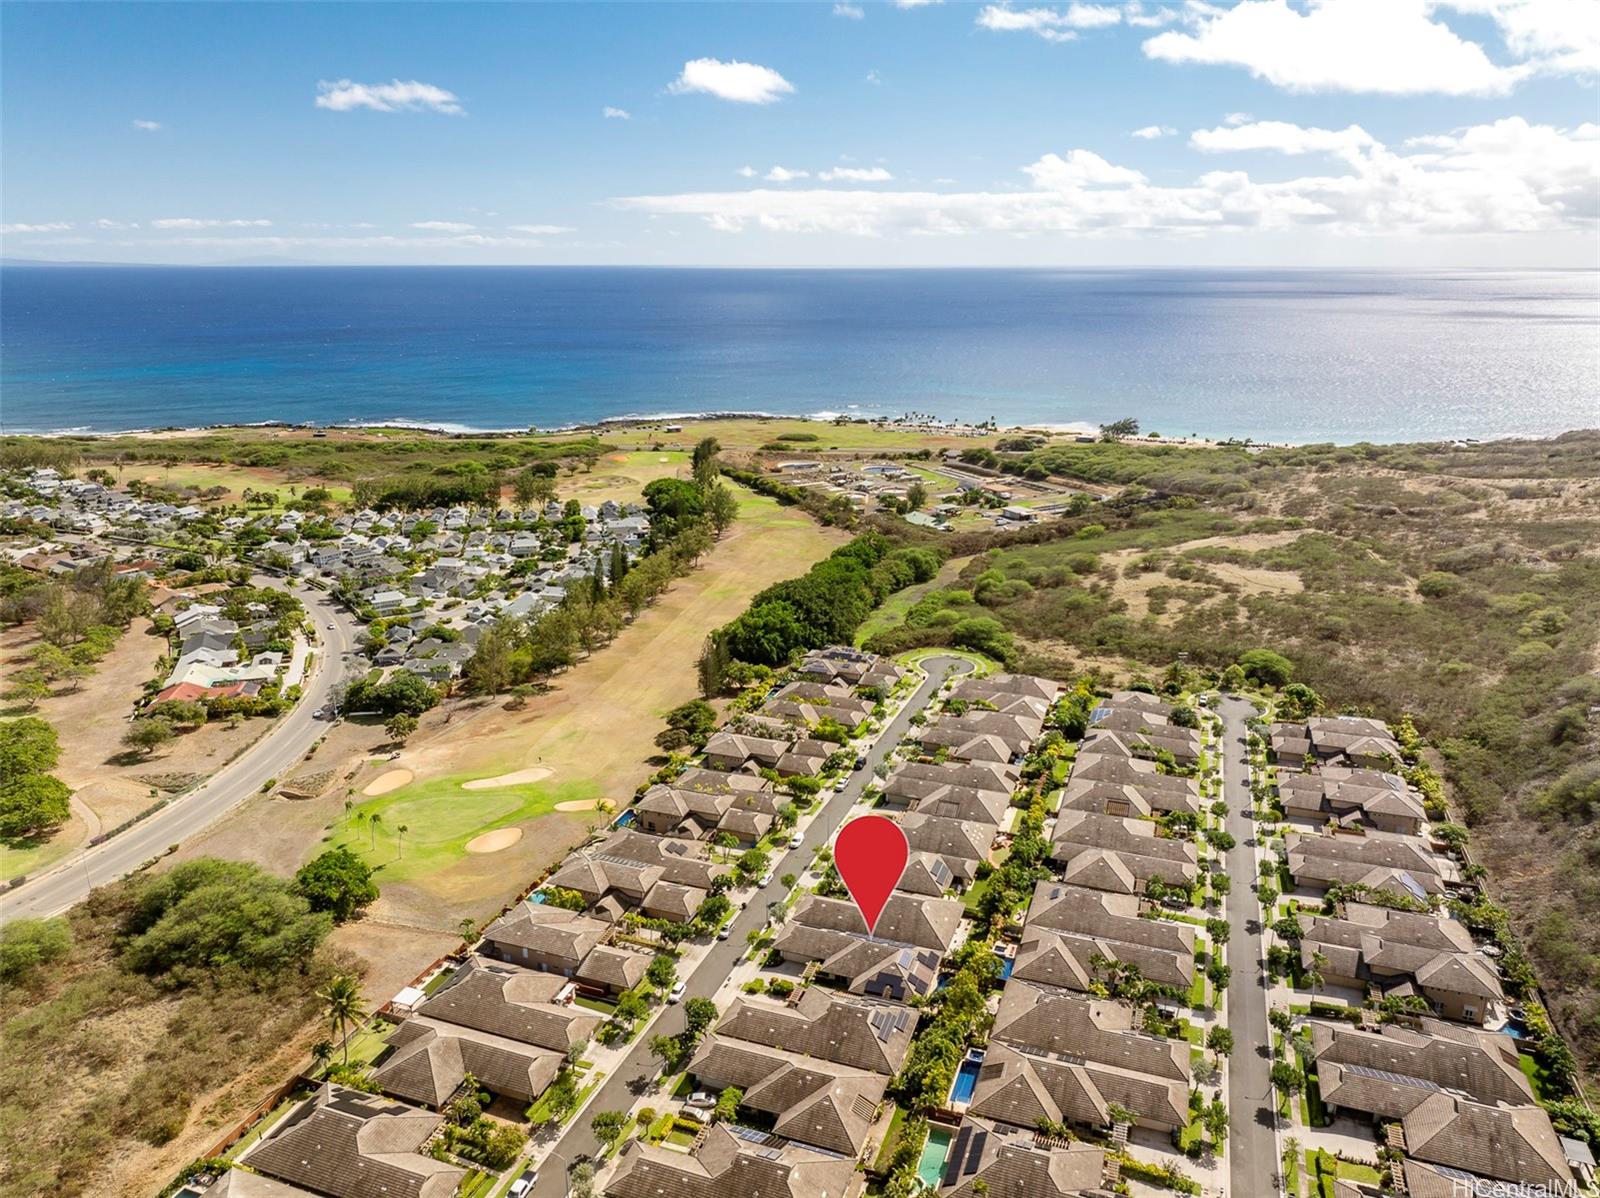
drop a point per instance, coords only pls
(966, 1078)
(931, 1167)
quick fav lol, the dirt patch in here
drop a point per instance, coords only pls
(385, 782)
(493, 842)
(536, 773)
(578, 805)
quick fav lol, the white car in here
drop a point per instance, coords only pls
(841, 784)
(725, 931)
(330, 627)
(700, 1098)
(796, 840)
(677, 992)
(523, 1184)
(764, 880)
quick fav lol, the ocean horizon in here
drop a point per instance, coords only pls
(1274, 355)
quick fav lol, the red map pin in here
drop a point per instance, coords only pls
(871, 854)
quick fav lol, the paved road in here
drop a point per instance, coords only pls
(273, 756)
(639, 1067)
(1252, 1142)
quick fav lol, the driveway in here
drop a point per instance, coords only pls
(275, 755)
(1252, 1139)
(637, 1073)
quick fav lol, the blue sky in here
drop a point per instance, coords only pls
(1292, 132)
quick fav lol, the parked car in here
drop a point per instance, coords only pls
(523, 1184)
(841, 784)
(764, 880)
(795, 840)
(860, 763)
(700, 1098)
(725, 931)
(677, 992)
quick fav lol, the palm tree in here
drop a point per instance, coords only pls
(373, 821)
(344, 1005)
(400, 837)
(322, 1053)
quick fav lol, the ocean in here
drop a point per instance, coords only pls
(1294, 356)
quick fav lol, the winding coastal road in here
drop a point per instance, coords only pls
(638, 1070)
(273, 756)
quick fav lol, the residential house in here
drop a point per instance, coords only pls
(431, 1059)
(820, 1023)
(345, 1143)
(1388, 1072)
(733, 751)
(961, 844)
(1087, 835)
(1380, 860)
(518, 1004)
(1073, 961)
(539, 936)
(988, 1158)
(1074, 909)
(1404, 953)
(1352, 797)
(733, 1162)
(1102, 781)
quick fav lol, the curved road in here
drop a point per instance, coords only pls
(273, 756)
(639, 1068)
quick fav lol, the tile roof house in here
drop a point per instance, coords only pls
(813, 1101)
(902, 959)
(1335, 740)
(1515, 1144)
(628, 865)
(926, 873)
(965, 803)
(1136, 842)
(981, 736)
(805, 757)
(906, 919)
(1010, 1161)
(732, 751)
(348, 1144)
(612, 968)
(1021, 1087)
(539, 936)
(821, 1023)
(1063, 908)
(1402, 952)
(519, 1004)
(979, 775)
(431, 1059)
(1010, 684)
(1160, 792)
(1381, 860)
(1050, 1021)
(961, 844)
(1386, 1073)
(852, 666)
(728, 1164)
(1067, 960)
(1368, 797)
(1146, 743)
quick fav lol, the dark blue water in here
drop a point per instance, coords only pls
(1284, 356)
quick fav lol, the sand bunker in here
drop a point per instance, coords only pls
(578, 805)
(493, 842)
(384, 783)
(537, 773)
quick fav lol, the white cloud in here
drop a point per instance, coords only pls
(616, 114)
(194, 222)
(1237, 118)
(1283, 137)
(541, 230)
(856, 174)
(1054, 25)
(1080, 168)
(782, 174)
(103, 223)
(740, 82)
(1134, 14)
(916, 3)
(147, 126)
(746, 172)
(443, 226)
(873, 77)
(852, 12)
(1390, 47)
(49, 227)
(1151, 132)
(1553, 36)
(1509, 177)
(343, 95)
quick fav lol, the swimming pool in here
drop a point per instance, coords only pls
(966, 1078)
(1007, 964)
(930, 1168)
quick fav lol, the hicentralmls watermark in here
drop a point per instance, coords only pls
(1483, 1187)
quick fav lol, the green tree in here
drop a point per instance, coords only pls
(148, 734)
(400, 727)
(32, 805)
(1116, 430)
(343, 1005)
(916, 495)
(337, 881)
(1220, 1041)
(698, 1015)
(27, 746)
(28, 687)
(1266, 668)
(662, 972)
(607, 1126)
(1287, 1078)
(728, 1104)
(703, 462)
(722, 507)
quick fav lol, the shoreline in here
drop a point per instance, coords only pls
(449, 430)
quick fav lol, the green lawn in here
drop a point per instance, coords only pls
(1538, 1077)
(595, 1004)
(265, 1124)
(440, 818)
(889, 1139)
(1197, 992)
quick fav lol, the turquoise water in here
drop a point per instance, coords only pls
(930, 1168)
(1276, 355)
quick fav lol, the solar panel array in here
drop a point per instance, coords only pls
(1398, 1079)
